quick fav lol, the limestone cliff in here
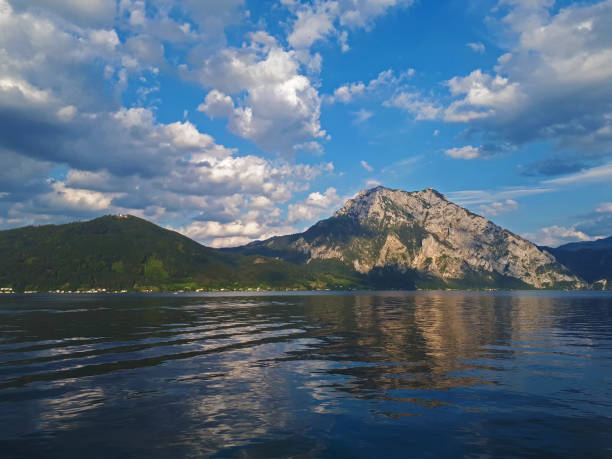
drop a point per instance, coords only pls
(422, 233)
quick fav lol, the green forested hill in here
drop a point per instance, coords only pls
(129, 253)
(126, 252)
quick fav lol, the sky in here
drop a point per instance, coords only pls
(236, 120)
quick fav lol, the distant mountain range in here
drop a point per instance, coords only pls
(382, 238)
(591, 260)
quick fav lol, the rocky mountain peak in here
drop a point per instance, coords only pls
(424, 233)
(381, 203)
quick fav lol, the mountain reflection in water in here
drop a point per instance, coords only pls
(391, 374)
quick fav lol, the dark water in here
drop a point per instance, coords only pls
(385, 375)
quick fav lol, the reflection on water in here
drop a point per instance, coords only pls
(392, 374)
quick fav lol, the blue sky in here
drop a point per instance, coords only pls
(235, 120)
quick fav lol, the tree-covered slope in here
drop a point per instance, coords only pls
(120, 252)
(126, 252)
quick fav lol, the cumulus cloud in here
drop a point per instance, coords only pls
(91, 12)
(66, 199)
(386, 84)
(366, 166)
(476, 47)
(466, 152)
(394, 91)
(554, 236)
(604, 207)
(414, 103)
(361, 13)
(552, 85)
(313, 24)
(63, 81)
(314, 206)
(322, 19)
(485, 96)
(347, 92)
(362, 115)
(196, 175)
(276, 107)
(499, 207)
(217, 105)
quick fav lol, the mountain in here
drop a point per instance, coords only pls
(129, 253)
(382, 238)
(599, 244)
(591, 260)
(419, 239)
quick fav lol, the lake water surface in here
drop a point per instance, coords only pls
(386, 374)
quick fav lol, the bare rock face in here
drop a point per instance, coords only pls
(424, 232)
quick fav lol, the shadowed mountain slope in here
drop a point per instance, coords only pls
(590, 260)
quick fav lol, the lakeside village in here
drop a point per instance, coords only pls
(9, 290)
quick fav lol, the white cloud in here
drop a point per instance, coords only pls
(476, 47)
(371, 183)
(89, 12)
(312, 147)
(322, 19)
(64, 59)
(386, 82)
(146, 50)
(361, 13)
(280, 107)
(604, 207)
(217, 104)
(128, 162)
(64, 68)
(554, 236)
(366, 166)
(231, 234)
(342, 40)
(347, 92)
(102, 37)
(466, 152)
(67, 113)
(362, 115)
(314, 206)
(313, 24)
(73, 199)
(601, 173)
(470, 197)
(484, 97)
(415, 104)
(499, 207)
(553, 84)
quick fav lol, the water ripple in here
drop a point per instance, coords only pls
(508, 374)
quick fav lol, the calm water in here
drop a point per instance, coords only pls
(383, 375)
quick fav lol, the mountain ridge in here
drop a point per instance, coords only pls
(423, 234)
(129, 253)
(591, 260)
(380, 238)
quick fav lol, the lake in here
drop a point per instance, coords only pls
(376, 374)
